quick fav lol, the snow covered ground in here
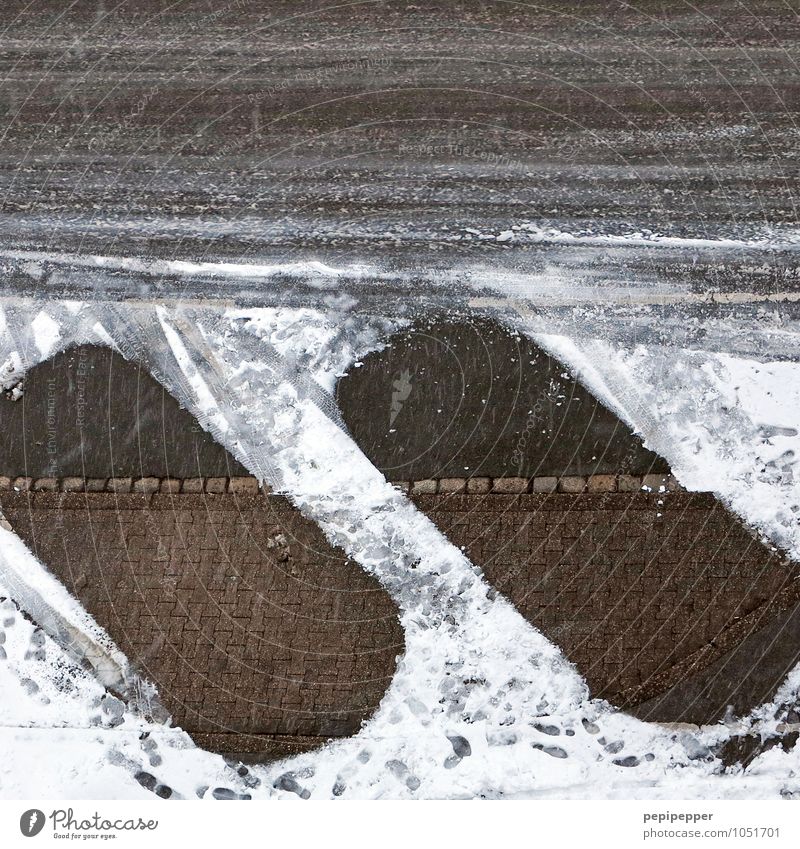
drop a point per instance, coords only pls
(481, 704)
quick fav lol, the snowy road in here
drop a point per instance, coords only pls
(734, 296)
(391, 132)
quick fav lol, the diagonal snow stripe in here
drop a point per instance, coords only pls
(30, 585)
(283, 370)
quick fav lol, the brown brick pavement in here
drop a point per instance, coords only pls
(629, 584)
(248, 621)
(251, 624)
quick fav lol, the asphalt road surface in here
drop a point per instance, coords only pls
(391, 132)
(434, 154)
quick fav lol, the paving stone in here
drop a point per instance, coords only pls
(170, 485)
(119, 484)
(602, 483)
(147, 485)
(629, 483)
(73, 484)
(673, 484)
(193, 485)
(510, 485)
(216, 486)
(479, 486)
(243, 486)
(425, 487)
(655, 482)
(452, 485)
(403, 486)
(572, 484)
(46, 485)
(545, 483)
(22, 484)
(95, 484)
(5, 482)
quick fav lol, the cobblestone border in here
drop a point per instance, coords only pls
(572, 484)
(139, 486)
